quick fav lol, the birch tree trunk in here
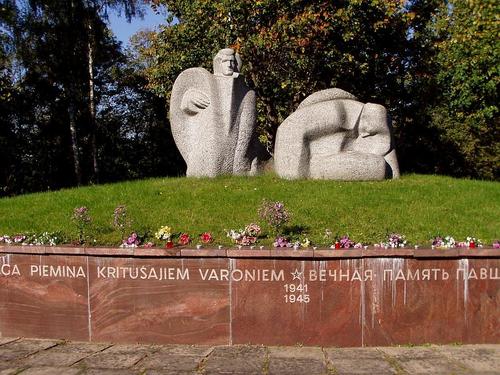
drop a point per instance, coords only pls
(70, 95)
(74, 143)
(92, 106)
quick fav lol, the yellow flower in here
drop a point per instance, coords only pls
(164, 233)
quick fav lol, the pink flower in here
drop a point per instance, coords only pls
(345, 242)
(282, 242)
(206, 237)
(19, 238)
(496, 244)
(133, 240)
(247, 240)
(252, 230)
(184, 239)
(148, 245)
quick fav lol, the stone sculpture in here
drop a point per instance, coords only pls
(332, 135)
(213, 120)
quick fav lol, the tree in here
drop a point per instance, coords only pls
(7, 14)
(291, 49)
(93, 22)
(46, 121)
(49, 109)
(136, 141)
(465, 115)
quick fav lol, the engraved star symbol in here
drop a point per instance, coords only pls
(296, 274)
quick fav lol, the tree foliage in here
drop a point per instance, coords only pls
(45, 91)
(291, 49)
(466, 112)
(69, 93)
(396, 53)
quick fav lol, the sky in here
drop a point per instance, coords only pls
(124, 30)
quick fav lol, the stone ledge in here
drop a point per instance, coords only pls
(230, 252)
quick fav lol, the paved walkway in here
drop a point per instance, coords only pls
(48, 357)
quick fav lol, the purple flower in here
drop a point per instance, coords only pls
(346, 243)
(132, 241)
(437, 241)
(396, 240)
(274, 213)
(81, 214)
(282, 242)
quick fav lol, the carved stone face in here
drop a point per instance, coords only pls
(228, 65)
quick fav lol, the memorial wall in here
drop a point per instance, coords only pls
(357, 297)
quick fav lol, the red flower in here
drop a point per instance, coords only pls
(206, 237)
(169, 245)
(472, 244)
(337, 245)
(184, 239)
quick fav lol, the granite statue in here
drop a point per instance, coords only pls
(334, 136)
(212, 118)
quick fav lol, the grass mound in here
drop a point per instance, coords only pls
(417, 206)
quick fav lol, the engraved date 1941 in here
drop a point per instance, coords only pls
(296, 293)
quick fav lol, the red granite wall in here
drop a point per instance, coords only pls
(324, 297)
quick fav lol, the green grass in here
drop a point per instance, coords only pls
(416, 205)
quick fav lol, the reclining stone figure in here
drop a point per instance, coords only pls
(332, 135)
(213, 120)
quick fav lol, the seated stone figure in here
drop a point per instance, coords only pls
(213, 120)
(332, 135)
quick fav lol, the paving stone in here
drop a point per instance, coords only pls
(167, 372)
(4, 365)
(418, 360)
(105, 371)
(80, 347)
(296, 352)
(23, 348)
(40, 357)
(105, 360)
(53, 358)
(171, 363)
(117, 356)
(236, 360)
(169, 357)
(484, 359)
(6, 340)
(187, 350)
(64, 354)
(290, 366)
(50, 371)
(128, 349)
(358, 361)
(10, 370)
(296, 360)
